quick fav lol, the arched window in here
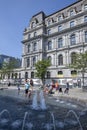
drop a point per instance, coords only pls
(50, 59)
(86, 36)
(26, 75)
(16, 75)
(49, 45)
(73, 72)
(48, 74)
(60, 43)
(32, 74)
(19, 75)
(73, 57)
(60, 60)
(60, 74)
(72, 39)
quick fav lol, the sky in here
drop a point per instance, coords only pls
(15, 16)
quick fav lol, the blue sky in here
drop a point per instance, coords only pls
(15, 16)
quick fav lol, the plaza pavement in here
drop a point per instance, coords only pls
(75, 94)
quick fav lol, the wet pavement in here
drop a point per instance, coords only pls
(58, 103)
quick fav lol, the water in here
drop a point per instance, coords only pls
(35, 102)
(42, 101)
(39, 116)
(5, 111)
(36, 105)
(52, 115)
(77, 117)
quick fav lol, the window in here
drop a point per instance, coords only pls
(19, 75)
(35, 46)
(49, 32)
(73, 57)
(50, 59)
(60, 72)
(35, 34)
(85, 19)
(49, 22)
(34, 60)
(29, 48)
(60, 60)
(72, 39)
(60, 18)
(33, 24)
(26, 75)
(72, 24)
(49, 45)
(73, 72)
(86, 36)
(32, 74)
(60, 28)
(28, 62)
(85, 7)
(71, 13)
(48, 74)
(29, 35)
(60, 43)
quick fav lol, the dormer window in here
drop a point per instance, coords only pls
(49, 22)
(71, 13)
(33, 24)
(85, 7)
(60, 18)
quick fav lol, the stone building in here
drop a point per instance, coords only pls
(57, 37)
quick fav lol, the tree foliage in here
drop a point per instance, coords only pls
(41, 68)
(8, 67)
(80, 63)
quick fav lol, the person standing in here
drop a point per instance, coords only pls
(57, 86)
(31, 84)
(27, 91)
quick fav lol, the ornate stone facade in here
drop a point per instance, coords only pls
(58, 37)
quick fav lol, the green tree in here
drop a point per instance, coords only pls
(41, 69)
(7, 67)
(80, 64)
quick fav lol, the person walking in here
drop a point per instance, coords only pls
(67, 88)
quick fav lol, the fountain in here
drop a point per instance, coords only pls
(35, 104)
(42, 101)
(77, 117)
(36, 115)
